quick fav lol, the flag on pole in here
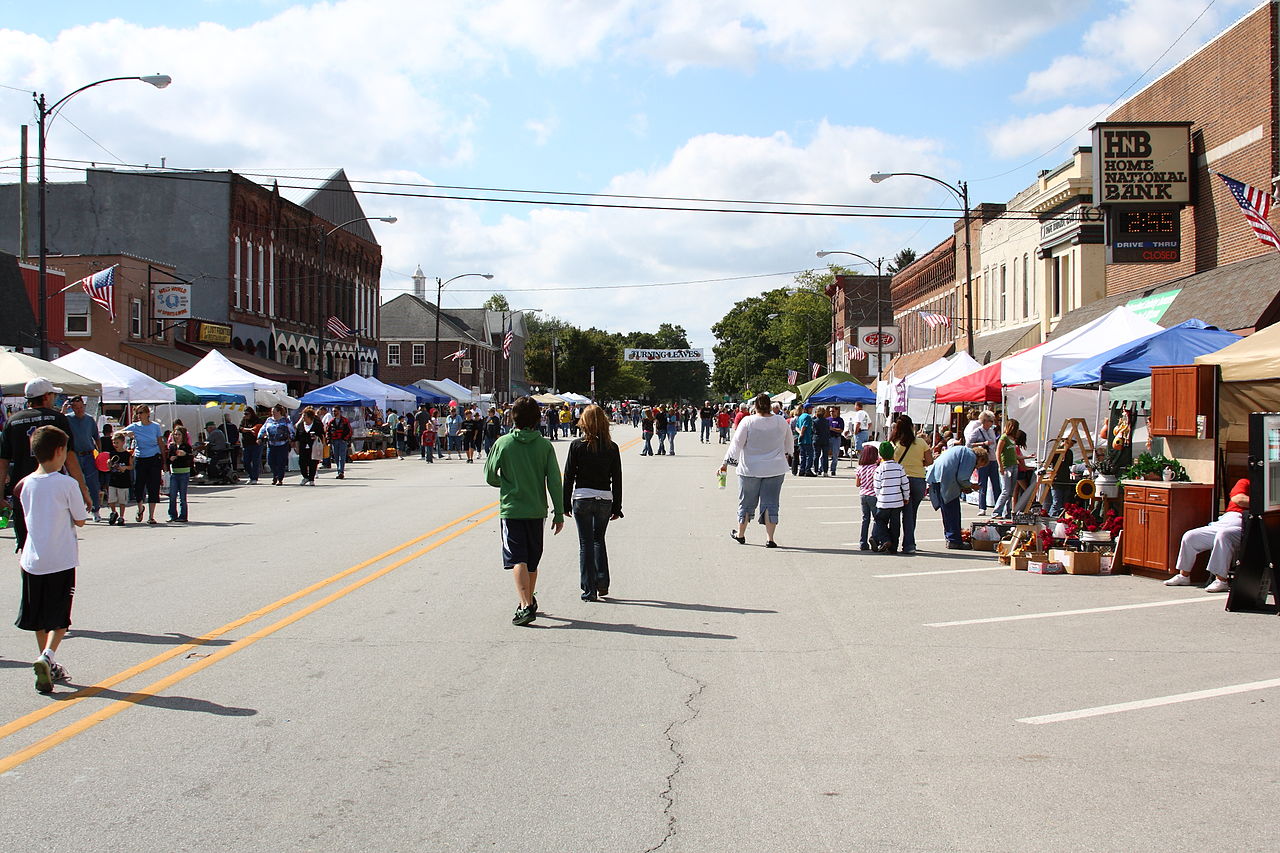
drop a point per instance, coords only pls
(792, 376)
(816, 371)
(454, 356)
(507, 340)
(858, 354)
(338, 329)
(1255, 204)
(101, 287)
(933, 320)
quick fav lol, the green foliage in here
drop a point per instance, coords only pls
(497, 302)
(1148, 464)
(902, 260)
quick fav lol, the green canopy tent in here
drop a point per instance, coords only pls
(835, 377)
(185, 397)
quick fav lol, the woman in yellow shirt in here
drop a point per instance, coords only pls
(913, 453)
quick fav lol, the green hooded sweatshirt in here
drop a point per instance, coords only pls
(523, 465)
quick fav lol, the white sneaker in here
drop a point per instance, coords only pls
(982, 512)
(1218, 585)
(1178, 580)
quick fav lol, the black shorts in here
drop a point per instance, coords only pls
(46, 601)
(522, 542)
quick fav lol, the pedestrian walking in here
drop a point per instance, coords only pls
(914, 454)
(868, 460)
(148, 461)
(523, 468)
(706, 415)
(179, 457)
(724, 420)
(646, 431)
(762, 449)
(119, 478)
(673, 426)
(1007, 463)
(803, 426)
(52, 506)
(948, 478)
(339, 433)
(660, 418)
(892, 494)
(593, 496)
(248, 429)
(277, 432)
(84, 443)
(427, 441)
(308, 437)
(821, 442)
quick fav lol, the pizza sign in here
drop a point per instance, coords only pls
(874, 339)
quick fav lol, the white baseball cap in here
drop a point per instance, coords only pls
(39, 387)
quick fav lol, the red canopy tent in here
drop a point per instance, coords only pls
(981, 386)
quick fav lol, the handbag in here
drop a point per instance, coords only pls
(317, 450)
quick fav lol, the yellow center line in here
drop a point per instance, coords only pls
(84, 724)
(105, 684)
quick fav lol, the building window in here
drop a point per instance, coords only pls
(1026, 287)
(236, 274)
(135, 318)
(78, 307)
(1055, 292)
(419, 354)
(393, 355)
(1004, 293)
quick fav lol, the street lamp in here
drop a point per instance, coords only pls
(321, 316)
(45, 116)
(435, 352)
(878, 263)
(960, 191)
(509, 315)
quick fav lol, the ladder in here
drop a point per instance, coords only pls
(1073, 429)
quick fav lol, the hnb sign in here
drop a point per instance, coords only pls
(1142, 163)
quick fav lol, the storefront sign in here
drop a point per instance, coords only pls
(213, 333)
(1142, 163)
(1069, 225)
(1138, 235)
(1153, 307)
(172, 302)
(881, 339)
(663, 355)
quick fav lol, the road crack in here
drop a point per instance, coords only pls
(668, 793)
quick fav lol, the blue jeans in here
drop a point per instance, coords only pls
(662, 442)
(1004, 503)
(951, 521)
(805, 458)
(278, 461)
(868, 515)
(648, 444)
(338, 450)
(592, 518)
(764, 491)
(859, 439)
(253, 461)
(909, 512)
(1059, 495)
(821, 452)
(989, 473)
(705, 435)
(90, 471)
(835, 453)
(888, 527)
(178, 495)
(671, 438)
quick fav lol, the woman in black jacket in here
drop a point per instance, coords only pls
(593, 496)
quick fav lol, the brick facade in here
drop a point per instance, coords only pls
(927, 284)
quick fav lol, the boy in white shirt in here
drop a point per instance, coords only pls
(53, 507)
(893, 490)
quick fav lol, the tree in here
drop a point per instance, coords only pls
(902, 260)
(497, 302)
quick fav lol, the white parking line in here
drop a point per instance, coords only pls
(832, 506)
(1051, 615)
(840, 522)
(1176, 698)
(945, 572)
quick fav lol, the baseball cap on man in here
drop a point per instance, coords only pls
(38, 387)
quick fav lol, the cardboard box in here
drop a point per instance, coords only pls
(1045, 567)
(982, 544)
(1083, 563)
(1021, 561)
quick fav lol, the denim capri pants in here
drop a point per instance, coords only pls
(765, 491)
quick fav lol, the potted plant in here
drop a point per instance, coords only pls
(1106, 482)
(1148, 467)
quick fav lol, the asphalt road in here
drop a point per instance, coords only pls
(359, 686)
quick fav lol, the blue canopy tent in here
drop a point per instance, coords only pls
(1133, 361)
(423, 395)
(207, 395)
(842, 393)
(330, 395)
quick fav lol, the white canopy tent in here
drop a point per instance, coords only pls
(381, 393)
(17, 369)
(218, 373)
(448, 388)
(919, 389)
(576, 399)
(120, 382)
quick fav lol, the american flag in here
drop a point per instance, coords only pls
(933, 320)
(1255, 204)
(816, 371)
(454, 356)
(507, 340)
(858, 354)
(101, 287)
(338, 329)
(792, 376)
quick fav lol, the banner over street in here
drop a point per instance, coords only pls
(663, 355)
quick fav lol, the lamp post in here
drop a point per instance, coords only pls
(321, 315)
(44, 117)
(510, 314)
(961, 192)
(878, 263)
(435, 351)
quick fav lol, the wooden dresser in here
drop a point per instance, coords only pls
(1156, 514)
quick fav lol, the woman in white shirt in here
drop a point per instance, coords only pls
(762, 445)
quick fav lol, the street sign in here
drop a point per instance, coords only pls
(172, 302)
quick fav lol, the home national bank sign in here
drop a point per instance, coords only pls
(1142, 163)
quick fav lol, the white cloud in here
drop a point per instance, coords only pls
(1036, 134)
(542, 129)
(1122, 45)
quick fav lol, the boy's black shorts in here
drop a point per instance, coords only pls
(522, 542)
(46, 601)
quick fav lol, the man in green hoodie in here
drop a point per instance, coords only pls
(523, 466)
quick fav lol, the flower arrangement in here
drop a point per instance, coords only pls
(1146, 464)
(1113, 523)
(1076, 518)
(1046, 539)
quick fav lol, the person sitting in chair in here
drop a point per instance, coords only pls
(1220, 538)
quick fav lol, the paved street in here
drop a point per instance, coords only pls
(363, 687)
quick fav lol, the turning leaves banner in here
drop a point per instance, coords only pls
(663, 355)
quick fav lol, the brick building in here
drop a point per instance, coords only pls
(408, 345)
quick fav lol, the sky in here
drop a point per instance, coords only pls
(718, 99)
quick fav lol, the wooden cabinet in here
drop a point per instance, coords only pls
(1155, 517)
(1179, 397)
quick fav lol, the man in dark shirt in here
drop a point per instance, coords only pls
(16, 459)
(706, 414)
(84, 441)
(660, 420)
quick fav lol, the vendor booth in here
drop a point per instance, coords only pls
(842, 393)
(216, 372)
(120, 382)
(17, 369)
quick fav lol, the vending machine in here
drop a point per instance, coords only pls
(1257, 576)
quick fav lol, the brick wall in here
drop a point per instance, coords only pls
(1227, 88)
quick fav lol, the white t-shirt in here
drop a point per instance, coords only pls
(861, 420)
(761, 444)
(50, 503)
